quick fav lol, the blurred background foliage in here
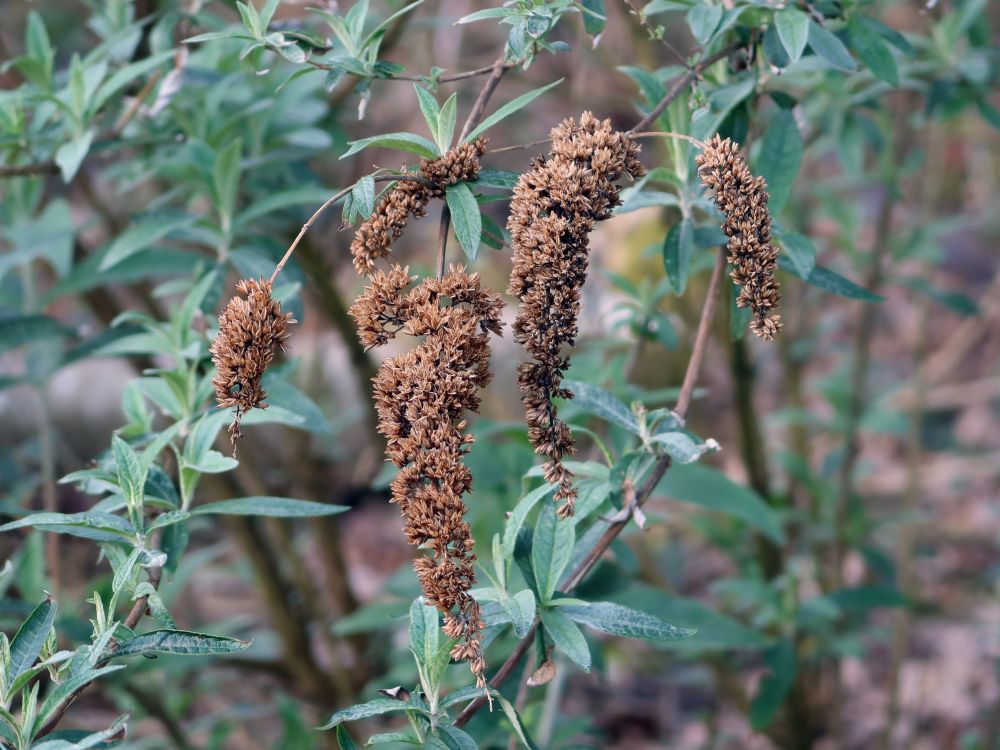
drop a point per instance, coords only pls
(838, 557)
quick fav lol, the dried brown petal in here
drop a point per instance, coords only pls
(553, 211)
(251, 329)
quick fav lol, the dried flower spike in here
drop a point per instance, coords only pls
(553, 211)
(421, 398)
(251, 329)
(375, 235)
(742, 197)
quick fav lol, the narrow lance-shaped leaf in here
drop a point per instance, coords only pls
(508, 109)
(276, 507)
(465, 218)
(30, 637)
(179, 643)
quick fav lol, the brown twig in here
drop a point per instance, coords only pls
(642, 493)
(330, 201)
(29, 170)
(475, 117)
(680, 84)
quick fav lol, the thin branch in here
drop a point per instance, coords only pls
(642, 493)
(680, 84)
(475, 117)
(454, 77)
(330, 201)
(131, 621)
(29, 170)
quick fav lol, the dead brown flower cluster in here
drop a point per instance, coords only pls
(422, 396)
(742, 197)
(376, 234)
(553, 211)
(251, 329)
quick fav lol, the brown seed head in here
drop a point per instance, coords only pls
(553, 211)
(405, 199)
(742, 198)
(421, 398)
(251, 329)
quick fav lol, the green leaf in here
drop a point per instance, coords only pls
(872, 50)
(508, 109)
(131, 479)
(411, 142)
(829, 47)
(430, 110)
(520, 513)
(386, 738)
(376, 707)
(831, 281)
(485, 15)
(497, 178)
(344, 739)
(89, 525)
(678, 249)
(31, 637)
(363, 193)
(179, 643)
(780, 158)
(701, 485)
(123, 77)
(551, 549)
(682, 446)
(64, 691)
(800, 252)
(445, 130)
(704, 20)
(455, 739)
(140, 236)
(617, 619)
(595, 400)
(465, 218)
(251, 19)
(594, 17)
(70, 155)
(18, 330)
(424, 632)
(567, 637)
(274, 507)
(520, 608)
(793, 31)
(954, 301)
(306, 196)
(775, 686)
(226, 181)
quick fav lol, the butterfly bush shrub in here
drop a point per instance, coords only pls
(170, 173)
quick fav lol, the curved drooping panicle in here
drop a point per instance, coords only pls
(405, 199)
(251, 330)
(421, 398)
(553, 211)
(742, 197)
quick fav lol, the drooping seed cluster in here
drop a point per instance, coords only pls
(742, 197)
(553, 211)
(374, 236)
(422, 396)
(251, 329)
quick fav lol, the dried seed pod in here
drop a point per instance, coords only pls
(251, 329)
(405, 199)
(742, 197)
(421, 398)
(553, 210)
